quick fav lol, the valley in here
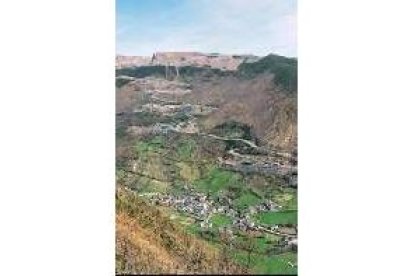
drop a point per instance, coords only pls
(214, 152)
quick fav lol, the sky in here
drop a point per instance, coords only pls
(255, 27)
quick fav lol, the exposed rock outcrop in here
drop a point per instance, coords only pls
(224, 62)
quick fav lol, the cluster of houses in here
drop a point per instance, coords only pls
(196, 204)
(266, 206)
(245, 223)
(162, 128)
(247, 166)
(199, 207)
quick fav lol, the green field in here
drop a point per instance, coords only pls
(154, 144)
(265, 242)
(263, 264)
(246, 199)
(260, 244)
(287, 198)
(281, 217)
(217, 180)
(220, 220)
(186, 148)
(278, 264)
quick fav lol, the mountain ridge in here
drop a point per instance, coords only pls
(213, 60)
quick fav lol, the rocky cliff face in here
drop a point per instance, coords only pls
(224, 62)
(129, 61)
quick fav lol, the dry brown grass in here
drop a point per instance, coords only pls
(257, 102)
(148, 242)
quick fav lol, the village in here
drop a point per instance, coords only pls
(199, 207)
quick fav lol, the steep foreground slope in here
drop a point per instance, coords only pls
(147, 241)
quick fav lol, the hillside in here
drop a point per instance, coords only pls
(261, 94)
(257, 102)
(148, 242)
(283, 69)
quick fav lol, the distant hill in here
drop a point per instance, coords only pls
(260, 94)
(212, 60)
(284, 69)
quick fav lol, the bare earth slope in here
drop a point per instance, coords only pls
(256, 102)
(148, 242)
